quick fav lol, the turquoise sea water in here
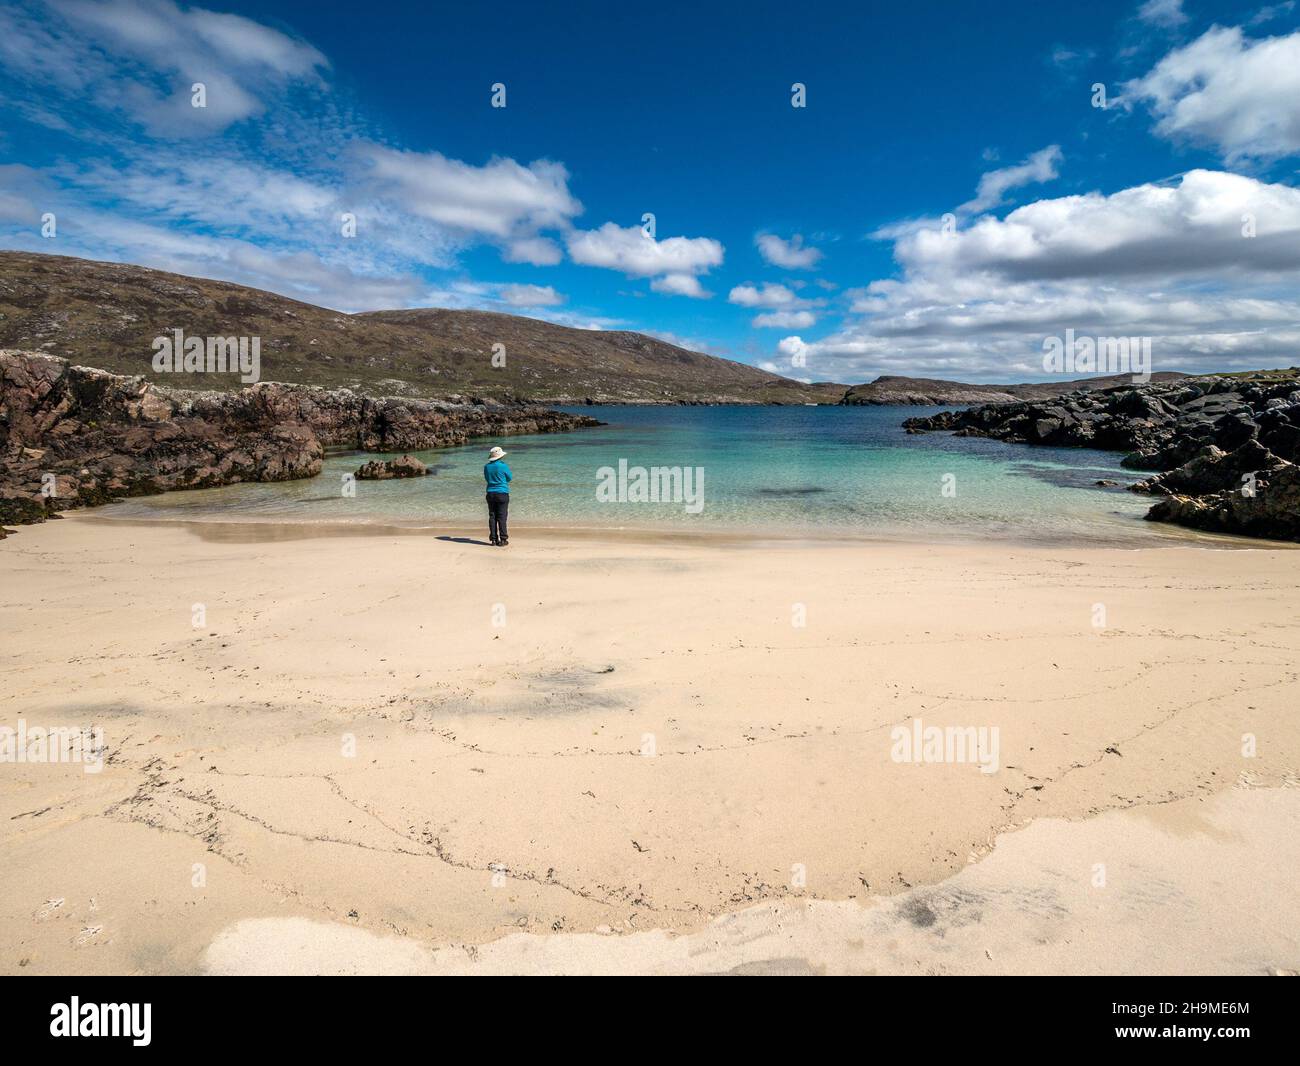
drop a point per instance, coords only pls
(841, 471)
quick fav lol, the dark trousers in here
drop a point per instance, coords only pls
(498, 507)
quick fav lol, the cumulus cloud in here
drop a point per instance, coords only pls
(674, 262)
(1239, 95)
(790, 347)
(1039, 167)
(788, 255)
(1208, 267)
(1193, 226)
(785, 308)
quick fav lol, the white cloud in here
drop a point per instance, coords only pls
(1273, 11)
(785, 320)
(168, 49)
(1065, 59)
(769, 295)
(634, 253)
(531, 296)
(500, 199)
(680, 285)
(151, 27)
(20, 190)
(993, 186)
(1242, 96)
(791, 347)
(1039, 167)
(672, 262)
(539, 251)
(259, 202)
(788, 255)
(784, 308)
(1194, 226)
(1165, 13)
(1168, 261)
(300, 274)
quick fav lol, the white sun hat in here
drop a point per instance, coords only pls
(495, 454)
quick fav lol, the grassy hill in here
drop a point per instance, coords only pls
(107, 315)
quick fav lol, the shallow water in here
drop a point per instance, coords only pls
(848, 471)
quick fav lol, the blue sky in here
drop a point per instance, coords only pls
(949, 197)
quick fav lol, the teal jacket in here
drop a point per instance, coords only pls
(498, 476)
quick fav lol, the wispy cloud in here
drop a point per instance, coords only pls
(1041, 166)
(314, 204)
(1165, 13)
(788, 255)
(531, 296)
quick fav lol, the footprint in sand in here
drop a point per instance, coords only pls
(45, 913)
(87, 935)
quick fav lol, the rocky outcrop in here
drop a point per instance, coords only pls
(1212, 470)
(1270, 507)
(1225, 446)
(72, 436)
(921, 392)
(387, 469)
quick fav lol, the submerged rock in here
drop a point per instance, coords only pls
(385, 469)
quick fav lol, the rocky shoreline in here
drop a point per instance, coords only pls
(1224, 447)
(892, 390)
(73, 436)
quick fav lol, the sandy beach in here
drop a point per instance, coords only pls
(349, 750)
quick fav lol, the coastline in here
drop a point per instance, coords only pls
(252, 528)
(499, 783)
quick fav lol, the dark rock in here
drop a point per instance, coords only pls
(1213, 470)
(71, 436)
(1273, 511)
(386, 469)
(1204, 437)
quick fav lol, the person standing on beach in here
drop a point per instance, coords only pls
(498, 478)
